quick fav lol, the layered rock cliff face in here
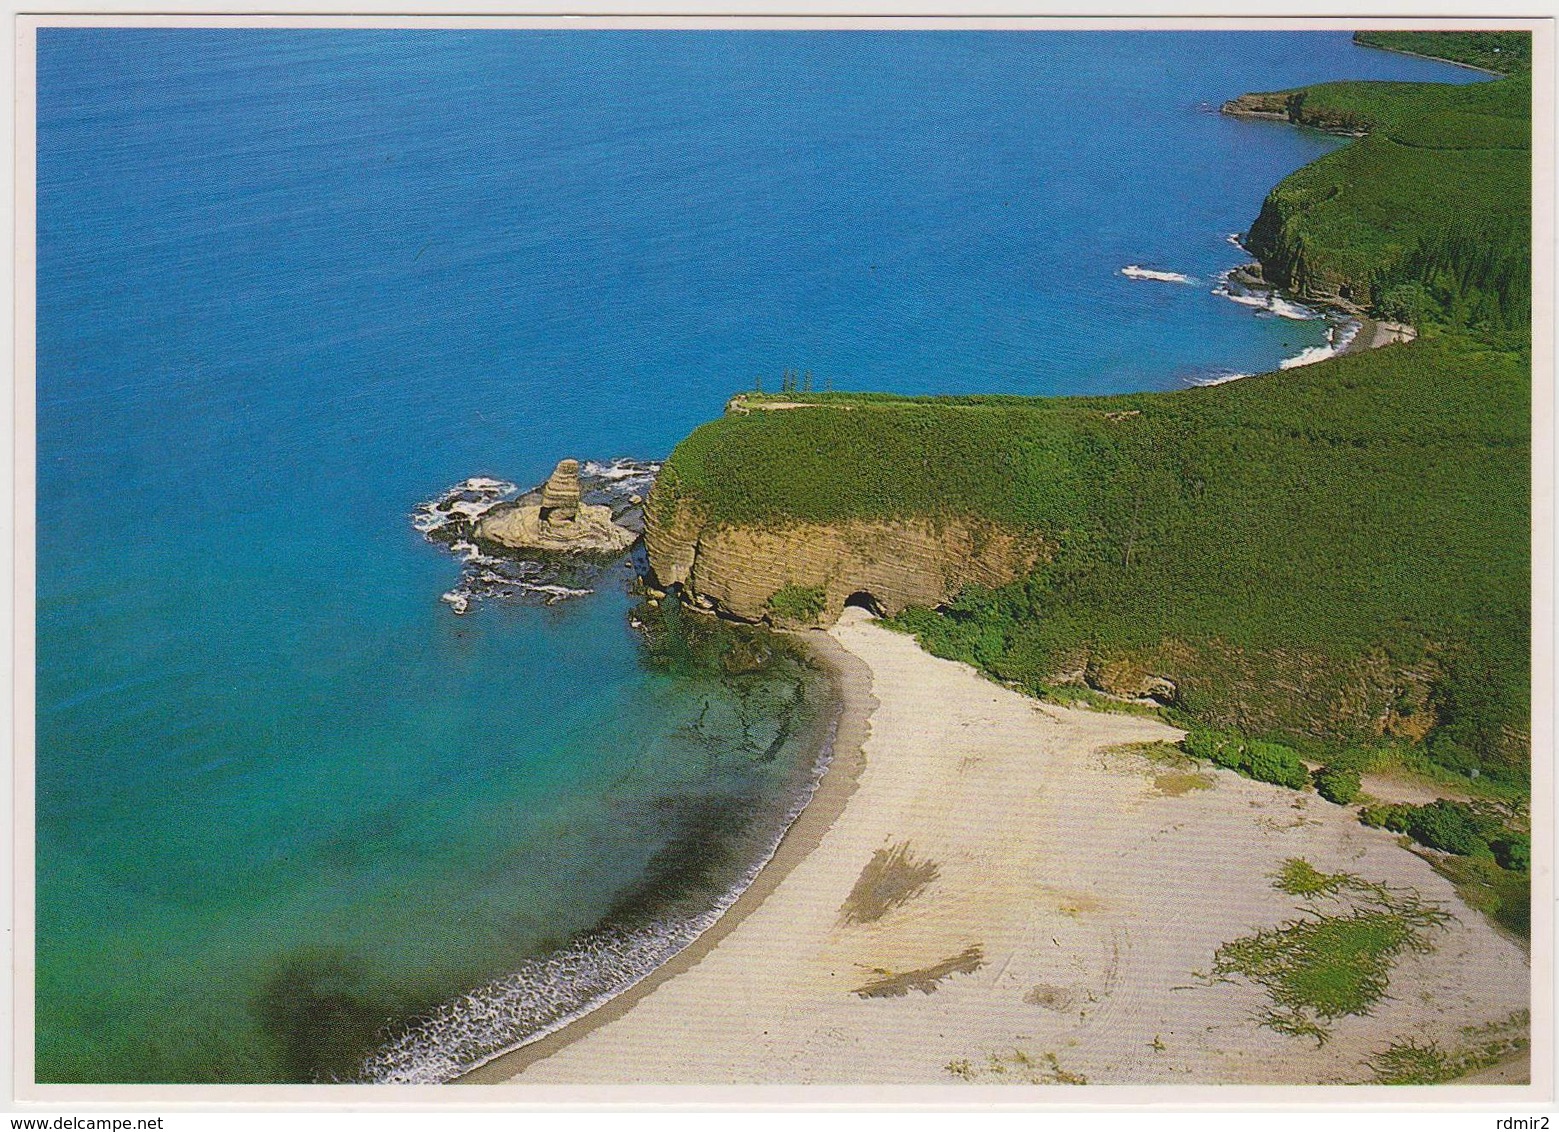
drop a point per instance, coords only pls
(887, 565)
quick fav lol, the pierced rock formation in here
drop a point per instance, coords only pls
(561, 523)
(886, 565)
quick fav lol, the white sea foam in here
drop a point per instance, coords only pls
(470, 508)
(1285, 309)
(1218, 379)
(1257, 301)
(1234, 238)
(1262, 299)
(1309, 356)
(1135, 271)
(469, 500)
(1339, 335)
(1343, 334)
(471, 555)
(621, 472)
(558, 592)
(547, 993)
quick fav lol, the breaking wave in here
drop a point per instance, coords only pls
(1215, 378)
(1285, 309)
(467, 500)
(1262, 298)
(1338, 337)
(1136, 271)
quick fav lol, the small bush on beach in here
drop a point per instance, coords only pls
(1265, 762)
(1489, 863)
(1389, 815)
(1277, 764)
(1513, 851)
(1338, 783)
(1336, 959)
(893, 876)
(1411, 1062)
(1298, 877)
(1502, 895)
(1219, 747)
(1017, 1067)
(1451, 827)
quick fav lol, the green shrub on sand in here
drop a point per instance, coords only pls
(1265, 762)
(1339, 783)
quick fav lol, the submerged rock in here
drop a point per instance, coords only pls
(560, 523)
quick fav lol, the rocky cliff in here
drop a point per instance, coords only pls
(1276, 238)
(1295, 106)
(886, 565)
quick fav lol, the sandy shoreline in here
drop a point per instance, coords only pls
(853, 686)
(997, 893)
(1375, 333)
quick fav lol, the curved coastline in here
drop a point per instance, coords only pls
(1435, 59)
(851, 682)
(997, 904)
(853, 679)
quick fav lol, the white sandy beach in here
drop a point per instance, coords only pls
(1077, 896)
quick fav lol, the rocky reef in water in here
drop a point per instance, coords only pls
(558, 522)
(594, 515)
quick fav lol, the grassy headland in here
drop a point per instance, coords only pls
(1501, 52)
(1427, 217)
(1327, 556)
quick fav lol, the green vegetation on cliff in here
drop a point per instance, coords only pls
(1251, 541)
(1425, 219)
(1328, 557)
(1503, 52)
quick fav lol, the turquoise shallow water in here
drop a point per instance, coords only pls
(293, 284)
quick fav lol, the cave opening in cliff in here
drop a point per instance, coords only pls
(864, 599)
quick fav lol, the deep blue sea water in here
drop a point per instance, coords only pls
(293, 283)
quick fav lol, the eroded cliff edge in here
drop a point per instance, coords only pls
(1337, 556)
(1426, 207)
(886, 564)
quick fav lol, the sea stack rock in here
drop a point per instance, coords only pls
(560, 524)
(560, 498)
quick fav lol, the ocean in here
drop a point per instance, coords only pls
(297, 817)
